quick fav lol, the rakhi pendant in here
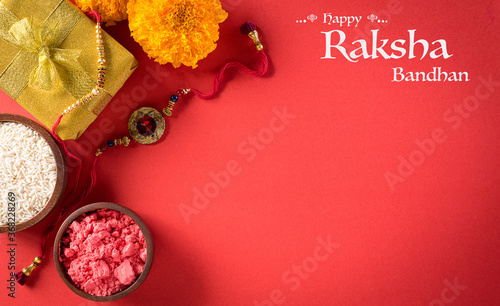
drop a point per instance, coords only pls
(146, 125)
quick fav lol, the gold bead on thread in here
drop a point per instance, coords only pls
(256, 41)
(125, 141)
(167, 111)
(29, 269)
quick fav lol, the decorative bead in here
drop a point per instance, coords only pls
(104, 148)
(101, 61)
(174, 98)
(95, 92)
(126, 141)
(186, 90)
(179, 93)
(110, 143)
(98, 152)
(78, 102)
(167, 112)
(118, 141)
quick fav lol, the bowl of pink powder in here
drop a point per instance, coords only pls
(103, 251)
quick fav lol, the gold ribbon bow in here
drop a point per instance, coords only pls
(40, 62)
(52, 61)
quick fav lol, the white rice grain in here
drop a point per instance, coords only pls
(27, 168)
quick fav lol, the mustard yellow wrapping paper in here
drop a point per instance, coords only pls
(71, 33)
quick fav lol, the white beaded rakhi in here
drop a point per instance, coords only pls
(101, 73)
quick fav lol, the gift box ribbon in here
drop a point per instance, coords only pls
(39, 62)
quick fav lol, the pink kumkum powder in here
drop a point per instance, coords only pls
(103, 252)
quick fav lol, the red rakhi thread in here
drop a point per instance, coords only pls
(96, 15)
(21, 276)
(250, 29)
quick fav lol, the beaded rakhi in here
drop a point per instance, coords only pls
(146, 125)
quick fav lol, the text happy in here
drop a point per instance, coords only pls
(341, 20)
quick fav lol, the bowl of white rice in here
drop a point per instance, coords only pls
(32, 173)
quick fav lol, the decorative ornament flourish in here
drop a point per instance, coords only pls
(372, 17)
(312, 17)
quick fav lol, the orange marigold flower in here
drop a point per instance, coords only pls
(111, 11)
(176, 31)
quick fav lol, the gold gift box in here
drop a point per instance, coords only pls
(74, 31)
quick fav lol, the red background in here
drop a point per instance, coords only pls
(321, 176)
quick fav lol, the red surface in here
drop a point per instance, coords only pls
(318, 177)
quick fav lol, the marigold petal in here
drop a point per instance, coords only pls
(111, 11)
(180, 32)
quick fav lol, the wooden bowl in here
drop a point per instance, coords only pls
(60, 166)
(145, 233)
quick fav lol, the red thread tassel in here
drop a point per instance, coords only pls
(21, 278)
(248, 27)
(23, 275)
